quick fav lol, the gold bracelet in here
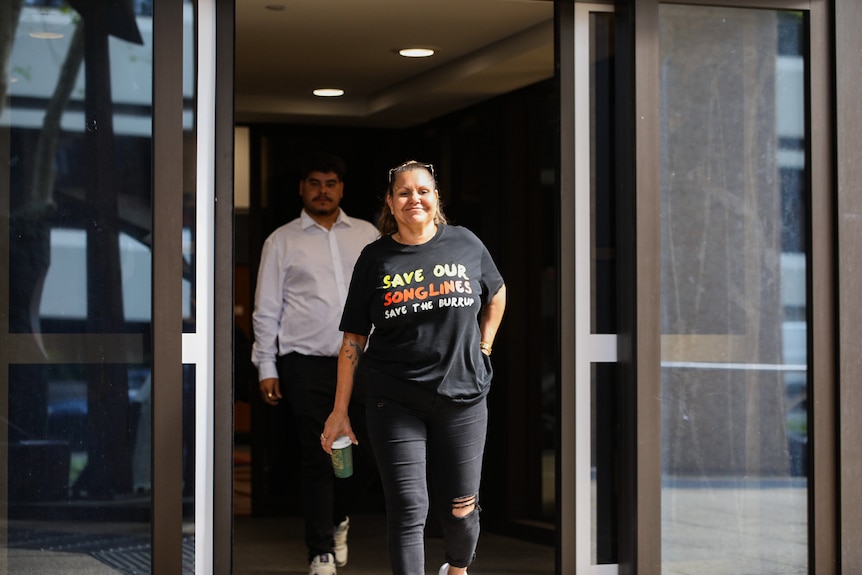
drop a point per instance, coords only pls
(485, 347)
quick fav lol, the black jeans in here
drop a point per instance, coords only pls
(450, 437)
(308, 383)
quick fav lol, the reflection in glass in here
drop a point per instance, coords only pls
(69, 489)
(76, 133)
(189, 168)
(733, 312)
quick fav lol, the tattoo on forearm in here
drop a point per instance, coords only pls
(354, 352)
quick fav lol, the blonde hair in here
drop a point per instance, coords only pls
(386, 223)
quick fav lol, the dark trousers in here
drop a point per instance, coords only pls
(308, 383)
(450, 437)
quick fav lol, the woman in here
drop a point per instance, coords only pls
(434, 299)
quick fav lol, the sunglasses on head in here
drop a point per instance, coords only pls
(403, 167)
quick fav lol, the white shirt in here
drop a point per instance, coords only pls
(302, 284)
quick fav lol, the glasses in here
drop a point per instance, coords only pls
(409, 165)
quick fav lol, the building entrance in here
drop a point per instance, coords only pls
(494, 154)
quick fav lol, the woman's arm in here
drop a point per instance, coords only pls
(490, 318)
(338, 422)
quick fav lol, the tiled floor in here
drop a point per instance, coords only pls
(271, 546)
(274, 545)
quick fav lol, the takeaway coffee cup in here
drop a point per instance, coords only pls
(342, 457)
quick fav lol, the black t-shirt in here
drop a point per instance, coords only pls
(423, 303)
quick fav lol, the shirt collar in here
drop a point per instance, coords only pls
(308, 221)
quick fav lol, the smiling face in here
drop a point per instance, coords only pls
(413, 199)
(321, 194)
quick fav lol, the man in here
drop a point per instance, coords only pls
(305, 270)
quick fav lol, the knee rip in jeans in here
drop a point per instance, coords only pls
(464, 506)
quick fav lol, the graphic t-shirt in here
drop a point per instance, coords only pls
(423, 303)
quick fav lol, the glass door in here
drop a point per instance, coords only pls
(91, 307)
(734, 302)
(705, 399)
(596, 379)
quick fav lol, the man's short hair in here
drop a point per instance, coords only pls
(322, 162)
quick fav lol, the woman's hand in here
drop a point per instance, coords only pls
(337, 424)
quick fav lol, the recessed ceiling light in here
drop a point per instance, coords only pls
(46, 35)
(328, 92)
(416, 52)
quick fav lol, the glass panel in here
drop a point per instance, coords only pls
(549, 353)
(734, 362)
(78, 474)
(604, 379)
(189, 166)
(79, 175)
(188, 438)
(603, 240)
(605, 461)
(76, 391)
(189, 288)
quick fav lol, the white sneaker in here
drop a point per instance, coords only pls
(444, 570)
(339, 542)
(322, 565)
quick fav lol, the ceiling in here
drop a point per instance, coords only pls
(287, 48)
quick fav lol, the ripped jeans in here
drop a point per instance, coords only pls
(450, 437)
